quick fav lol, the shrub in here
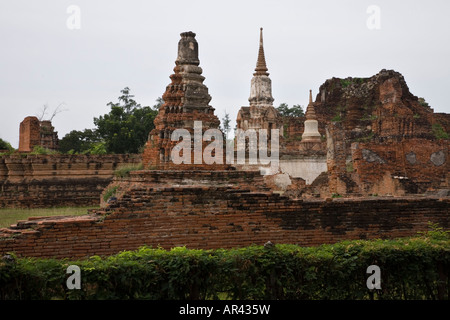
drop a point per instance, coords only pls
(42, 150)
(337, 118)
(349, 166)
(423, 103)
(110, 192)
(124, 170)
(411, 268)
(439, 132)
(97, 148)
(346, 82)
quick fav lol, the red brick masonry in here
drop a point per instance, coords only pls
(32, 181)
(196, 214)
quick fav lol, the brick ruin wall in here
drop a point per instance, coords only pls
(386, 166)
(207, 216)
(412, 166)
(29, 133)
(34, 132)
(32, 181)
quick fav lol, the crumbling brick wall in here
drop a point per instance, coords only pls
(340, 180)
(37, 133)
(57, 180)
(207, 216)
(29, 134)
(49, 137)
(399, 167)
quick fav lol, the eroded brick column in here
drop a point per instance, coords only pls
(186, 100)
(336, 157)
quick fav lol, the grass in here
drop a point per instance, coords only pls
(110, 192)
(439, 132)
(11, 216)
(124, 171)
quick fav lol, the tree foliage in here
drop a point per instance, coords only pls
(123, 130)
(5, 145)
(225, 125)
(295, 111)
(79, 141)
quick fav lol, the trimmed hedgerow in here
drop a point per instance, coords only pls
(411, 268)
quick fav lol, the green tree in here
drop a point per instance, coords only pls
(159, 103)
(4, 145)
(226, 124)
(125, 128)
(295, 111)
(79, 141)
(97, 148)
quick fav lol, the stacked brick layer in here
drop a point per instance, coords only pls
(208, 215)
(410, 165)
(57, 180)
(186, 100)
(29, 134)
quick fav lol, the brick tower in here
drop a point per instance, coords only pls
(29, 134)
(37, 133)
(186, 104)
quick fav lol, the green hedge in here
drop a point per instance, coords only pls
(411, 268)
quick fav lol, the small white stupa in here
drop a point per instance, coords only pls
(311, 132)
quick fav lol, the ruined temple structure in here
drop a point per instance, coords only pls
(299, 163)
(380, 106)
(381, 172)
(382, 139)
(37, 133)
(186, 100)
(365, 136)
(261, 113)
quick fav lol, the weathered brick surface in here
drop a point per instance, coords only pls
(407, 166)
(29, 134)
(208, 215)
(382, 105)
(186, 100)
(57, 180)
(37, 133)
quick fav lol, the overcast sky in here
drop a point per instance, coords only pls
(49, 56)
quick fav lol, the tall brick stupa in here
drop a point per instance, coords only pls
(186, 103)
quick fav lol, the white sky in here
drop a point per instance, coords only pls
(134, 43)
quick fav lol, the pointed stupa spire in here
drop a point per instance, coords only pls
(311, 131)
(261, 87)
(261, 67)
(310, 113)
